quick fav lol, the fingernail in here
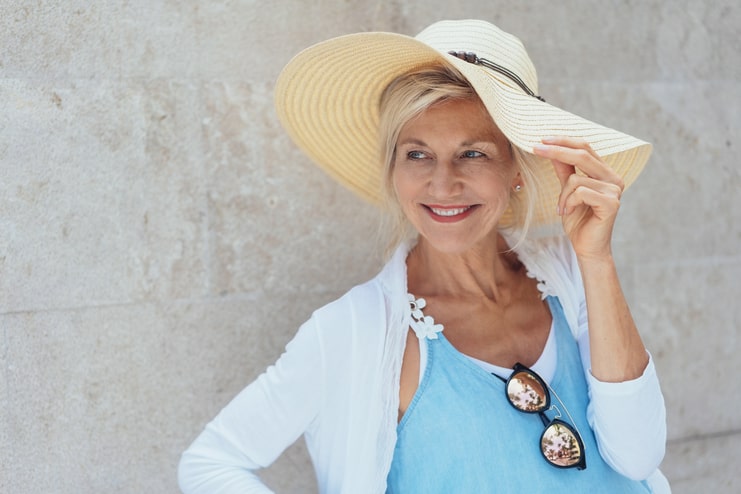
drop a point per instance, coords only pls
(540, 147)
(550, 140)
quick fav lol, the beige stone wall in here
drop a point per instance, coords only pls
(161, 239)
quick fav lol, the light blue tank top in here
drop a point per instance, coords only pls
(461, 435)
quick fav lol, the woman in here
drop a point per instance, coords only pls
(486, 356)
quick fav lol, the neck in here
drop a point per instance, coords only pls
(488, 271)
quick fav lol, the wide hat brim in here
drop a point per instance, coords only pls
(327, 98)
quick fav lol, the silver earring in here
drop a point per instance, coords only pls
(518, 188)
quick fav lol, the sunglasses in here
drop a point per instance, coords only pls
(560, 443)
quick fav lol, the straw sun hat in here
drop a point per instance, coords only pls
(327, 98)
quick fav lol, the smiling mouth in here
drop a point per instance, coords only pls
(449, 211)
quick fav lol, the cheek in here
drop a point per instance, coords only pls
(405, 191)
(403, 185)
(498, 180)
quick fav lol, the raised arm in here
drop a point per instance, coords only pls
(626, 411)
(588, 205)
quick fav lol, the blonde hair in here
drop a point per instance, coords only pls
(406, 97)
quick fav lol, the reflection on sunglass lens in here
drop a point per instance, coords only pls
(527, 393)
(560, 445)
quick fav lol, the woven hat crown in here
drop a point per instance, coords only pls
(485, 40)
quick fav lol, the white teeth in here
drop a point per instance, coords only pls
(449, 212)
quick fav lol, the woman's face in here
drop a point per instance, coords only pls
(453, 173)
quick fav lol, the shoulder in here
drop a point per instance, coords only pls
(360, 303)
(365, 323)
(377, 301)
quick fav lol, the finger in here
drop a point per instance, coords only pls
(583, 158)
(601, 197)
(563, 171)
(573, 181)
(570, 142)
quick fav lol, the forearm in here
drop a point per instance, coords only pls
(616, 349)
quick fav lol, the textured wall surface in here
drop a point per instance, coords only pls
(161, 239)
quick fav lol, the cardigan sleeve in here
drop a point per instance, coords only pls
(258, 424)
(629, 422)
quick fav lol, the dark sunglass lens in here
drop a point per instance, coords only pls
(526, 392)
(560, 445)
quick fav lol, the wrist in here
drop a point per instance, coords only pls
(603, 257)
(602, 264)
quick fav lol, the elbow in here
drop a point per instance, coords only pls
(639, 461)
(635, 451)
(185, 468)
(640, 470)
(193, 473)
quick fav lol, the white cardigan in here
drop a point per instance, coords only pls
(338, 384)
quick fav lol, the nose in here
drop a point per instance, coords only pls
(445, 180)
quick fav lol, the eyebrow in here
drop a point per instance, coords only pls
(419, 142)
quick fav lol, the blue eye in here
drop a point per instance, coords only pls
(415, 155)
(472, 154)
